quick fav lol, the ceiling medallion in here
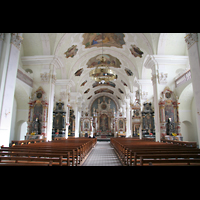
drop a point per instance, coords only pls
(102, 73)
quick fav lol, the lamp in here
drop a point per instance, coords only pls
(102, 73)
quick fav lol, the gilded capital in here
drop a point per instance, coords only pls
(191, 38)
(16, 40)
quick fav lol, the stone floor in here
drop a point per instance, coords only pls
(102, 155)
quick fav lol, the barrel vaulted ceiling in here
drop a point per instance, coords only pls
(78, 52)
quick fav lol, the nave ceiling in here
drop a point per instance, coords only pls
(130, 68)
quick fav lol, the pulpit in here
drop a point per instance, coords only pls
(136, 119)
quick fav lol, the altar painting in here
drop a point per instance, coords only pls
(71, 52)
(38, 108)
(103, 122)
(108, 40)
(169, 113)
(58, 123)
(86, 125)
(120, 124)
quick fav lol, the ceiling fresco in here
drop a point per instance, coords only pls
(71, 52)
(124, 53)
(84, 83)
(108, 60)
(79, 72)
(128, 72)
(103, 90)
(108, 40)
(136, 51)
(109, 83)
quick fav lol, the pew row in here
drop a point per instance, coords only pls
(68, 152)
(136, 152)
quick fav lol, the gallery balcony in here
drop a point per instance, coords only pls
(185, 77)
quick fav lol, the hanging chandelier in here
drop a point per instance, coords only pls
(102, 73)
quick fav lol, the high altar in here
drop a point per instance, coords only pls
(103, 114)
(37, 118)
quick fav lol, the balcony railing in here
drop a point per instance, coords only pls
(23, 77)
(183, 78)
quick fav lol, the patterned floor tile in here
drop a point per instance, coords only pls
(102, 155)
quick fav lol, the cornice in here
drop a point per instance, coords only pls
(171, 59)
(42, 60)
(65, 82)
(151, 60)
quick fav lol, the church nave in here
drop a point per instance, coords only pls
(102, 155)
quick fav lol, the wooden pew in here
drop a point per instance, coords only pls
(132, 151)
(69, 152)
(181, 143)
(22, 142)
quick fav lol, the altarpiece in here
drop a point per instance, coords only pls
(86, 124)
(169, 115)
(148, 126)
(103, 113)
(37, 118)
(59, 119)
(120, 125)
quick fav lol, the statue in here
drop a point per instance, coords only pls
(36, 126)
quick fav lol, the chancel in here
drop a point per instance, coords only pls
(63, 89)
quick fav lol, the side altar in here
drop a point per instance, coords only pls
(169, 116)
(37, 118)
(59, 120)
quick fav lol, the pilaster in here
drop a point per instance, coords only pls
(9, 88)
(193, 51)
(153, 65)
(128, 117)
(52, 80)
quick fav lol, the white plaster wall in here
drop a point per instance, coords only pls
(194, 121)
(13, 121)
(22, 116)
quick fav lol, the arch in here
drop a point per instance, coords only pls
(21, 130)
(185, 98)
(187, 131)
(106, 95)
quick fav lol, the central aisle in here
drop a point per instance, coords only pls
(102, 155)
